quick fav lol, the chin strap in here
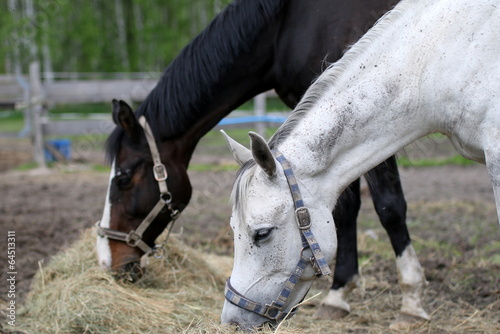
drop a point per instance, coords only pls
(274, 310)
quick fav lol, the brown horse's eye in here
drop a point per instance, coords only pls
(123, 179)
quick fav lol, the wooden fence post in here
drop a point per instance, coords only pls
(260, 110)
(35, 105)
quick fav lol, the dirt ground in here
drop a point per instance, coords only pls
(450, 208)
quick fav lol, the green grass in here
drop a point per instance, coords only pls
(12, 123)
(83, 108)
(26, 166)
(457, 160)
(272, 104)
(215, 138)
(101, 168)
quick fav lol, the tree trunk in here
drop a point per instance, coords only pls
(14, 41)
(31, 30)
(139, 33)
(122, 35)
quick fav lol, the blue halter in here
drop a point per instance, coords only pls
(275, 310)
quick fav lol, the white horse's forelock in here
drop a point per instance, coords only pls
(240, 186)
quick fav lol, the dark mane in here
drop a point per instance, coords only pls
(189, 81)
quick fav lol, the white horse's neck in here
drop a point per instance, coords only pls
(377, 100)
(351, 138)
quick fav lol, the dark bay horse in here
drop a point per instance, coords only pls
(249, 48)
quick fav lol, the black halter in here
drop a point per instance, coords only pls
(275, 310)
(134, 237)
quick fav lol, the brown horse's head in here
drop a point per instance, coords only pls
(136, 191)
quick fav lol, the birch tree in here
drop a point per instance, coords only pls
(122, 35)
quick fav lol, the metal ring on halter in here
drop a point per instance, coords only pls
(302, 253)
(158, 251)
(312, 260)
(166, 197)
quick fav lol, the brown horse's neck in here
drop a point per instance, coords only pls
(207, 79)
(279, 57)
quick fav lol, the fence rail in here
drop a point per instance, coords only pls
(73, 88)
(71, 91)
(12, 91)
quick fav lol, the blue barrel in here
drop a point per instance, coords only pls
(63, 146)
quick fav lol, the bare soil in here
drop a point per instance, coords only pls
(451, 212)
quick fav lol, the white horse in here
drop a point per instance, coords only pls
(427, 66)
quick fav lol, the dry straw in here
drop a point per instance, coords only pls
(183, 293)
(72, 295)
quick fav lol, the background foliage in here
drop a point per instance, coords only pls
(99, 35)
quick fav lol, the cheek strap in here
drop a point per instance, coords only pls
(134, 237)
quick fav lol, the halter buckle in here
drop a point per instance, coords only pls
(160, 172)
(303, 218)
(133, 239)
(272, 311)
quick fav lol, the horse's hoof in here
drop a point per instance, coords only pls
(328, 312)
(406, 321)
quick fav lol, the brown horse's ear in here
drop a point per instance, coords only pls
(262, 154)
(124, 116)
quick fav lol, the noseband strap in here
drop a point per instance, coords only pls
(134, 237)
(275, 310)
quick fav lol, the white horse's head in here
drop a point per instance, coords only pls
(268, 242)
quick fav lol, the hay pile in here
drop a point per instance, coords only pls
(184, 294)
(73, 295)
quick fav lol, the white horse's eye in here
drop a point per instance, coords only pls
(262, 234)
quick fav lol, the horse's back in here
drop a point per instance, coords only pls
(314, 34)
(461, 76)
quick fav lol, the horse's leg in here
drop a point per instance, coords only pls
(345, 278)
(388, 198)
(492, 156)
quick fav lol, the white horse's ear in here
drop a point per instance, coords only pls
(262, 154)
(240, 152)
